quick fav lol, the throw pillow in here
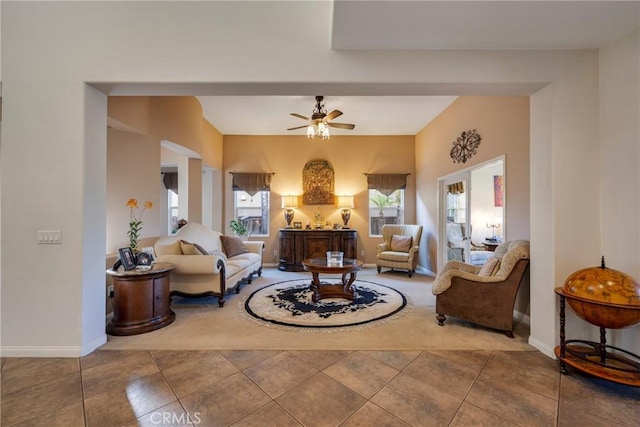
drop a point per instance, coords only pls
(489, 267)
(233, 246)
(401, 243)
(189, 248)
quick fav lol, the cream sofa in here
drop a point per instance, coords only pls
(212, 274)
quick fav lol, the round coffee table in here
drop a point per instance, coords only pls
(321, 290)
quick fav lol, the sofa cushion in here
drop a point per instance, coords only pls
(490, 267)
(401, 243)
(233, 246)
(189, 248)
(164, 247)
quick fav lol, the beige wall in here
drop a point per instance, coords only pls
(350, 156)
(138, 125)
(133, 170)
(503, 124)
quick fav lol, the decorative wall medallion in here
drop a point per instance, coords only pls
(317, 183)
(465, 146)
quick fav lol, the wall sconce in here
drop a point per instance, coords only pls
(493, 226)
(288, 203)
(346, 203)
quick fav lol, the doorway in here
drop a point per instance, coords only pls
(471, 213)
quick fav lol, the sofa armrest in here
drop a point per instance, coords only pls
(193, 264)
(255, 246)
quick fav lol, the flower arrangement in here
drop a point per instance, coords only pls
(135, 222)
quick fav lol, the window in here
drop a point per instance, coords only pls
(172, 198)
(253, 211)
(385, 210)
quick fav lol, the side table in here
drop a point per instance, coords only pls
(141, 300)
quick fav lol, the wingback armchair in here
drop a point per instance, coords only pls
(399, 248)
(483, 295)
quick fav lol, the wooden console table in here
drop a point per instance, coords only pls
(297, 245)
(140, 300)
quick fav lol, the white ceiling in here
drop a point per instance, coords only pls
(378, 24)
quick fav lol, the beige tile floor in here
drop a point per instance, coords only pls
(308, 388)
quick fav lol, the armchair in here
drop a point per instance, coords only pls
(399, 248)
(483, 295)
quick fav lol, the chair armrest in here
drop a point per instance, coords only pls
(193, 264)
(443, 281)
(382, 247)
(459, 266)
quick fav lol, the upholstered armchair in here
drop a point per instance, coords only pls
(483, 295)
(399, 248)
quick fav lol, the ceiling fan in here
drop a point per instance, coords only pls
(320, 121)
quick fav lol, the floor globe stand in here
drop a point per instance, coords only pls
(597, 358)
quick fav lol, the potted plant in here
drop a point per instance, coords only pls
(239, 229)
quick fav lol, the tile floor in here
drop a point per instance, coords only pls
(308, 388)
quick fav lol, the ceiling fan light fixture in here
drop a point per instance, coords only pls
(318, 129)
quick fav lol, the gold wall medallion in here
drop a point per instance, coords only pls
(318, 183)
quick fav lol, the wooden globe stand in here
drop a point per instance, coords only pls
(597, 359)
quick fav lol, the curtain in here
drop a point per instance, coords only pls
(456, 188)
(387, 183)
(170, 180)
(251, 183)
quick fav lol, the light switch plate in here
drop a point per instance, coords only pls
(49, 237)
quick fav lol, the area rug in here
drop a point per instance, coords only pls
(289, 304)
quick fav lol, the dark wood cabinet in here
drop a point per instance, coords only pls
(141, 300)
(296, 245)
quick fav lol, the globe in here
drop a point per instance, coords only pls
(604, 297)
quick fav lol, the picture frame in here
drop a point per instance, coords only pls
(127, 258)
(297, 225)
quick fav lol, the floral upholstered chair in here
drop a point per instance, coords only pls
(399, 248)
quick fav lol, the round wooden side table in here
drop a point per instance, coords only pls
(141, 300)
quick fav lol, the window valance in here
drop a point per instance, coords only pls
(456, 188)
(387, 183)
(251, 182)
(170, 181)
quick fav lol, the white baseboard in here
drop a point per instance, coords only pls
(52, 351)
(544, 348)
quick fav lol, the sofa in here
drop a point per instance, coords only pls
(208, 262)
(399, 248)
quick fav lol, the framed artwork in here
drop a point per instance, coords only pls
(318, 183)
(498, 190)
(297, 225)
(127, 258)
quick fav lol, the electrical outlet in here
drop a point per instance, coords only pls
(362, 254)
(110, 292)
(275, 254)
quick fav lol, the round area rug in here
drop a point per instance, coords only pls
(289, 304)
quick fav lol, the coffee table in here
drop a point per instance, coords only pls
(321, 290)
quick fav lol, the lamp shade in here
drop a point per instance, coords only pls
(289, 201)
(345, 201)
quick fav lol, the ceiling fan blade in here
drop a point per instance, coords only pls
(300, 116)
(332, 115)
(341, 125)
(298, 127)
